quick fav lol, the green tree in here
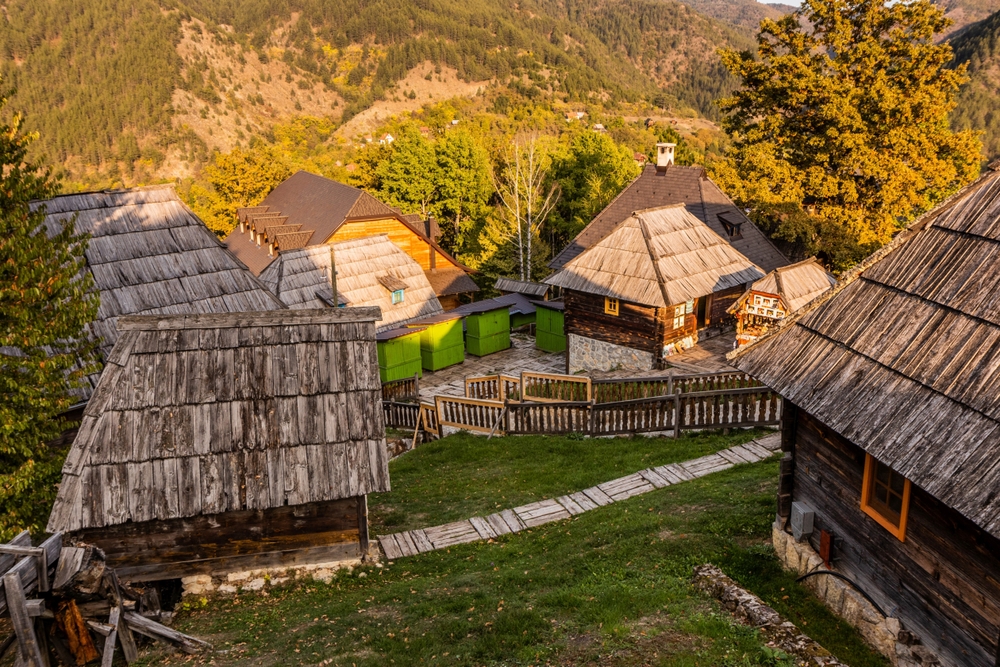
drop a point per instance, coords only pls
(591, 172)
(408, 179)
(46, 300)
(844, 117)
(463, 186)
(238, 178)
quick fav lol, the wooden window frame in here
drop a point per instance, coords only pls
(612, 306)
(398, 300)
(680, 317)
(899, 532)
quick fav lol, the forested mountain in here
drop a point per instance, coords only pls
(155, 84)
(967, 12)
(979, 102)
(746, 13)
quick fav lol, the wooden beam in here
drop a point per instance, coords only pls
(27, 570)
(70, 561)
(109, 642)
(129, 649)
(363, 525)
(24, 628)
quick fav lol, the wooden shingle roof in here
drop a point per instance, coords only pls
(301, 279)
(691, 187)
(797, 284)
(902, 358)
(149, 254)
(204, 414)
(658, 257)
(521, 287)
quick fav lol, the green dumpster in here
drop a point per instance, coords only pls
(398, 353)
(441, 343)
(549, 333)
(487, 327)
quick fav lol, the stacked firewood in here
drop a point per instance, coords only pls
(66, 606)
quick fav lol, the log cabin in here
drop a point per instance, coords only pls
(308, 210)
(149, 254)
(665, 184)
(218, 443)
(371, 271)
(643, 292)
(777, 295)
(892, 428)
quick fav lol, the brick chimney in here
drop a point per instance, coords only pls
(664, 156)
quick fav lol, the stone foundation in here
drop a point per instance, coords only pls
(589, 354)
(886, 635)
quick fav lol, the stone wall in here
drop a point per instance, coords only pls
(588, 354)
(886, 635)
(259, 579)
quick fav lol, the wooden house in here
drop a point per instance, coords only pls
(371, 271)
(216, 443)
(642, 293)
(777, 295)
(308, 210)
(524, 287)
(892, 427)
(665, 184)
(148, 255)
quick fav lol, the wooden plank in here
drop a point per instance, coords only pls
(483, 527)
(129, 649)
(388, 544)
(734, 457)
(160, 632)
(24, 627)
(583, 501)
(512, 520)
(545, 511)
(109, 642)
(7, 560)
(654, 478)
(571, 506)
(450, 534)
(498, 525)
(70, 561)
(420, 540)
(599, 497)
(406, 545)
(27, 570)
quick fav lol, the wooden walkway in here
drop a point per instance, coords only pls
(412, 542)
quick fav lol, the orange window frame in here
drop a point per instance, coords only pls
(611, 306)
(898, 531)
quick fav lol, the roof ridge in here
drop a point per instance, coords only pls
(656, 265)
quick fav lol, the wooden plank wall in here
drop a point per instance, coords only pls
(289, 535)
(721, 301)
(943, 582)
(635, 326)
(401, 235)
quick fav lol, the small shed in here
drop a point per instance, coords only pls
(549, 332)
(441, 340)
(777, 295)
(399, 353)
(487, 327)
(521, 308)
(223, 442)
(525, 287)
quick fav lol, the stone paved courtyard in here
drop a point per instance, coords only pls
(708, 356)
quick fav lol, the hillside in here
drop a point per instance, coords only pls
(134, 90)
(964, 13)
(979, 46)
(745, 13)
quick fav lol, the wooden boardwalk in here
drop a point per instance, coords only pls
(422, 540)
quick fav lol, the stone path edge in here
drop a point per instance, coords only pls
(422, 540)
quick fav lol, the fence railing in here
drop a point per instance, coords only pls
(548, 418)
(627, 389)
(401, 390)
(548, 387)
(491, 387)
(429, 419)
(471, 414)
(400, 415)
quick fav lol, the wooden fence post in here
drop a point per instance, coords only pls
(677, 416)
(27, 642)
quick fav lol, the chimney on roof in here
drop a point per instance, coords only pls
(664, 156)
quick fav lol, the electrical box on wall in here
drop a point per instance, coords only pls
(802, 521)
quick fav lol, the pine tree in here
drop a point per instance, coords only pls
(46, 301)
(840, 130)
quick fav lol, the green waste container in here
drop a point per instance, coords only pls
(441, 343)
(549, 332)
(399, 353)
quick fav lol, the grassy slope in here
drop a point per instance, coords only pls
(608, 587)
(467, 475)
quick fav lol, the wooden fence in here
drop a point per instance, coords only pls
(401, 390)
(400, 415)
(470, 414)
(627, 389)
(548, 387)
(492, 387)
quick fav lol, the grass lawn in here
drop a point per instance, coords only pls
(467, 475)
(608, 587)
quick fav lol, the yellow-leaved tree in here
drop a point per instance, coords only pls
(840, 129)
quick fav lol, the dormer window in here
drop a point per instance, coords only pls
(397, 296)
(395, 286)
(733, 229)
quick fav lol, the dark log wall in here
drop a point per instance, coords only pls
(635, 326)
(281, 536)
(943, 582)
(721, 301)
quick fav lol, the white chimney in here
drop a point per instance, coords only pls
(665, 155)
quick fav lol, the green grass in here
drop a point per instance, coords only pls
(609, 587)
(467, 475)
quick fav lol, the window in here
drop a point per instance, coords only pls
(611, 306)
(679, 316)
(397, 296)
(885, 496)
(733, 229)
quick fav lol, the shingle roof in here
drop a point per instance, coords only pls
(149, 254)
(660, 257)
(797, 284)
(204, 414)
(902, 358)
(301, 279)
(677, 185)
(448, 281)
(517, 304)
(521, 287)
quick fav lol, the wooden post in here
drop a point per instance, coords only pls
(125, 638)
(333, 278)
(109, 641)
(363, 525)
(677, 416)
(24, 627)
(788, 421)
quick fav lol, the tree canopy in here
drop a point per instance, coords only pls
(840, 129)
(46, 300)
